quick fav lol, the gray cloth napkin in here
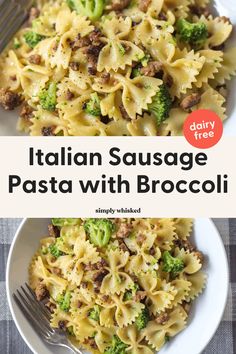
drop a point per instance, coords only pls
(224, 340)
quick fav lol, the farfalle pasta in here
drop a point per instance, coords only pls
(118, 284)
(120, 68)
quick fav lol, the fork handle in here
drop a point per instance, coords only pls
(71, 346)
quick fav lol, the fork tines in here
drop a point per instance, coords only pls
(35, 312)
(13, 13)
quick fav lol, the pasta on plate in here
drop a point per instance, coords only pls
(126, 68)
(118, 285)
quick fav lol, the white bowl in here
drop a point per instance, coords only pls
(206, 313)
(227, 8)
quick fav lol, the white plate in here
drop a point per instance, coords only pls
(206, 313)
(227, 8)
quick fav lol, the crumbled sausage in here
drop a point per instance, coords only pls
(140, 295)
(123, 247)
(9, 100)
(163, 318)
(197, 10)
(169, 81)
(69, 95)
(91, 342)
(152, 251)
(41, 291)
(105, 119)
(105, 78)
(200, 256)
(13, 77)
(62, 325)
(124, 112)
(80, 42)
(95, 36)
(92, 70)
(53, 231)
(184, 244)
(33, 14)
(26, 111)
(56, 271)
(50, 306)
(48, 131)
(140, 239)
(74, 65)
(162, 16)
(225, 19)
(124, 230)
(152, 68)
(105, 298)
(35, 59)
(119, 5)
(98, 278)
(186, 306)
(143, 5)
(190, 101)
(84, 284)
(79, 304)
(96, 266)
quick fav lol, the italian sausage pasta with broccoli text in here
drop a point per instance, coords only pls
(118, 286)
(121, 67)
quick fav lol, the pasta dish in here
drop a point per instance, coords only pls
(118, 286)
(124, 67)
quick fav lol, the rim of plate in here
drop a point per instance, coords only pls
(10, 300)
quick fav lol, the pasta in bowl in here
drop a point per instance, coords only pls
(118, 285)
(126, 68)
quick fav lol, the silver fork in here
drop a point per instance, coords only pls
(39, 317)
(13, 14)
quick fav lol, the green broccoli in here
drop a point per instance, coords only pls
(48, 97)
(65, 222)
(55, 252)
(171, 264)
(64, 301)
(117, 346)
(99, 231)
(93, 105)
(143, 319)
(161, 104)
(130, 293)
(33, 38)
(94, 313)
(93, 9)
(70, 331)
(16, 43)
(192, 33)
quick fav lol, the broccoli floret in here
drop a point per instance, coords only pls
(70, 331)
(55, 252)
(192, 33)
(99, 231)
(93, 9)
(142, 320)
(171, 264)
(130, 293)
(94, 313)
(117, 346)
(93, 105)
(161, 104)
(33, 38)
(65, 221)
(16, 43)
(135, 72)
(64, 301)
(48, 97)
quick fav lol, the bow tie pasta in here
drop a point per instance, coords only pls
(117, 67)
(118, 285)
